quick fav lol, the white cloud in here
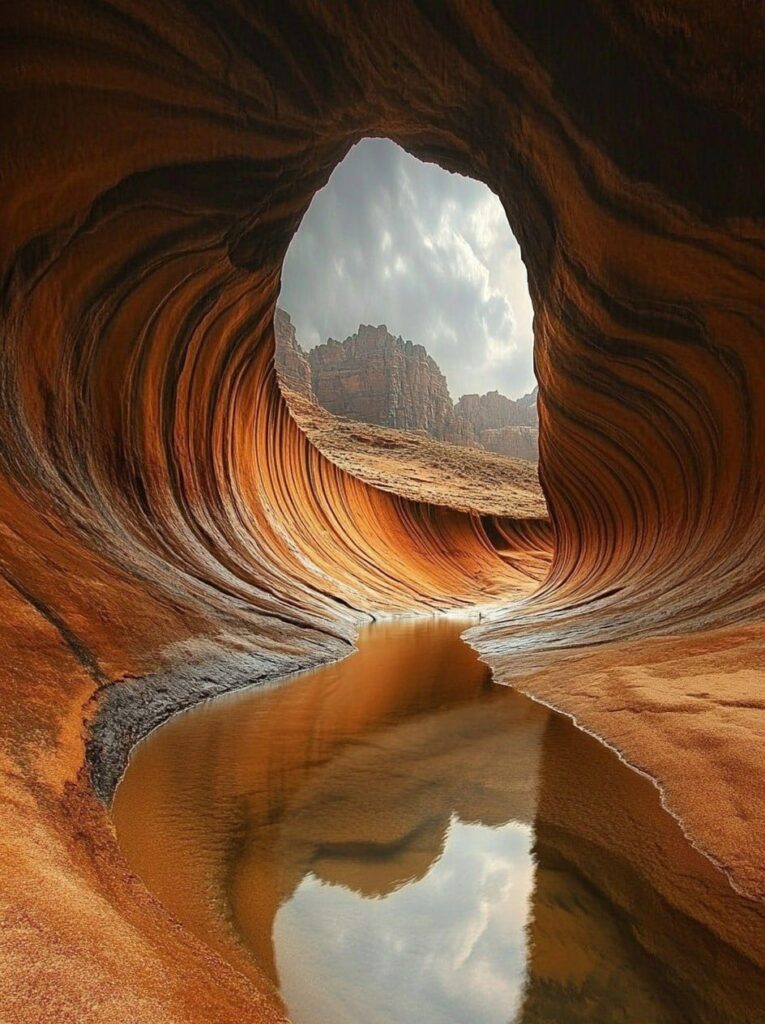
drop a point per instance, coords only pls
(393, 240)
(447, 948)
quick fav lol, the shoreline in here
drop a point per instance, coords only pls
(699, 753)
(130, 709)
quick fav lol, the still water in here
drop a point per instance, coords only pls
(394, 838)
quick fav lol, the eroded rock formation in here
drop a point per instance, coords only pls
(512, 442)
(375, 377)
(410, 464)
(502, 425)
(160, 510)
(493, 411)
(290, 361)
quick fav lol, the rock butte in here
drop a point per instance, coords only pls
(376, 378)
(168, 529)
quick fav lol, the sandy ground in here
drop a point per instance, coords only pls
(415, 466)
(689, 711)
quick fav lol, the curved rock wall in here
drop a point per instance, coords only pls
(158, 505)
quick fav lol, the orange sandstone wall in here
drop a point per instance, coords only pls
(157, 168)
(158, 507)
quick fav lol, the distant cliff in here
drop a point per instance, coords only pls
(515, 442)
(493, 411)
(376, 377)
(290, 360)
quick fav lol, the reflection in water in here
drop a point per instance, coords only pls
(396, 838)
(451, 944)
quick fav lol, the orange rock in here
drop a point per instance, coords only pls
(159, 509)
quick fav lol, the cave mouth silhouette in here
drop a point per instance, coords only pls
(427, 255)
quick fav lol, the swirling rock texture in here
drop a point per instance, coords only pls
(160, 508)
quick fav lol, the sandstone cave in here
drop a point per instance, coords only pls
(169, 532)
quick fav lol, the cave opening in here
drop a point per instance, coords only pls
(404, 341)
(404, 304)
(168, 533)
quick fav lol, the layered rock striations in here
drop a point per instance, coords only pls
(375, 377)
(378, 378)
(410, 464)
(167, 530)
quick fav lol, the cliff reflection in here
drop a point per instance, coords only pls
(395, 838)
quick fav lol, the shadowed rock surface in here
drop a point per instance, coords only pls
(159, 507)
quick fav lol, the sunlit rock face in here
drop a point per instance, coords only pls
(158, 504)
(376, 377)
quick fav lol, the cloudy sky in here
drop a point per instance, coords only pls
(430, 254)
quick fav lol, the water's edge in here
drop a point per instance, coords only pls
(124, 711)
(128, 710)
(659, 785)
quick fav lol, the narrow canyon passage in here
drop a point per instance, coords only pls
(395, 837)
(169, 533)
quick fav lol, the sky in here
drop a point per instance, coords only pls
(391, 240)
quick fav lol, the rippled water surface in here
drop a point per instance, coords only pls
(394, 838)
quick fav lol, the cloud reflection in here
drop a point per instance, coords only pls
(446, 949)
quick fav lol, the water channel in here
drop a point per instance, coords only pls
(394, 838)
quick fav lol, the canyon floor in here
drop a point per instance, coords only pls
(414, 466)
